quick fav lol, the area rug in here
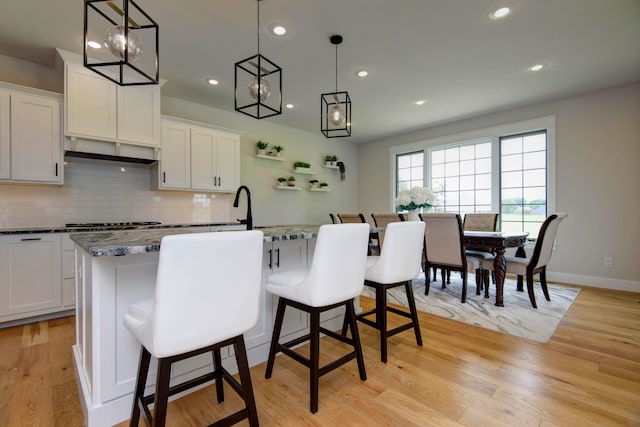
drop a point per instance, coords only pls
(517, 317)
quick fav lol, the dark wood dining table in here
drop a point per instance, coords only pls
(498, 241)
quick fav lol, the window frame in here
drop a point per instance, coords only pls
(492, 134)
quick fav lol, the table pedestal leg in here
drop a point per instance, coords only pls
(500, 270)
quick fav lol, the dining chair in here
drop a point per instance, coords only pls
(444, 248)
(351, 217)
(397, 265)
(206, 296)
(480, 222)
(335, 277)
(334, 219)
(537, 262)
(381, 220)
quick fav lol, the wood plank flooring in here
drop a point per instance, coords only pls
(588, 374)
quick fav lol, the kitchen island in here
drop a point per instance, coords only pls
(116, 269)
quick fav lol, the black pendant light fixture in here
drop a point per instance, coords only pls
(120, 42)
(335, 108)
(260, 92)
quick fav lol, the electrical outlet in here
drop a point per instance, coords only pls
(608, 262)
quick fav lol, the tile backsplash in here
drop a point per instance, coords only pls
(106, 191)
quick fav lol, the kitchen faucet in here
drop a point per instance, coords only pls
(249, 220)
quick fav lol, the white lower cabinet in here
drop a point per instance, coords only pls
(30, 275)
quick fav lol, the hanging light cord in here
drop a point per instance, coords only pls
(258, 32)
(336, 68)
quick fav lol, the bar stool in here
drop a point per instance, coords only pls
(207, 294)
(398, 264)
(334, 279)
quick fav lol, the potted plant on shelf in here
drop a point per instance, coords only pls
(291, 182)
(334, 159)
(302, 167)
(277, 150)
(327, 160)
(282, 181)
(324, 185)
(261, 146)
(314, 183)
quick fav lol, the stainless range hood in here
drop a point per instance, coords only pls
(109, 150)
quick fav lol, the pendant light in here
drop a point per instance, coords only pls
(120, 42)
(335, 107)
(258, 85)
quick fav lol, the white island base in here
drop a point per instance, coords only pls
(105, 354)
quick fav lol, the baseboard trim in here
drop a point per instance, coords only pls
(595, 282)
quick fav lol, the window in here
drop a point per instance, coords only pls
(409, 170)
(508, 169)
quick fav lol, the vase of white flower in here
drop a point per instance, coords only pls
(415, 199)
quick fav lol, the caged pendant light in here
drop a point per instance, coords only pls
(335, 107)
(260, 80)
(120, 42)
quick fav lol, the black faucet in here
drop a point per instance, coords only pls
(249, 220)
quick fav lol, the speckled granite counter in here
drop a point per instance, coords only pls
(61, 229)
(141, 241)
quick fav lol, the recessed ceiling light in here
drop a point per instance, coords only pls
(212, 82)
(277, 29)
(536, 67)
(501, 12)
(362, 73)
(94, 45)
(421, 102)
(289, 106)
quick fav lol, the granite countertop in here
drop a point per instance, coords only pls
(62, 229)
(142, 241)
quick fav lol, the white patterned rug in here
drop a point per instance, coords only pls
(517, 317)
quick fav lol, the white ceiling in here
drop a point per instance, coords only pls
(447, 52)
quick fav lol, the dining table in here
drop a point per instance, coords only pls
(499, 241)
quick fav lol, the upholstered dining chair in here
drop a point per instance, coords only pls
(351, 217)
(334, 218)
(381, 220)
(444, 248)
(480, 222)
(207, 295)
(397, 265)
(334, 279)
(537, 262)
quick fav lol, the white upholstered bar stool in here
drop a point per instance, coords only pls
(206, 296)
(334, 279)
(398, 264)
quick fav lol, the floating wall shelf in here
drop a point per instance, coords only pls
(330, 167)
(304, 171)
(319, 189)
(287, 187)
(264, 156)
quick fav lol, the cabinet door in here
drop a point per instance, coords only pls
(203, 146)
(289, 255)
(139, 114)
(227, 167)
(175, 162)
(30, 276)
(5, 134)
(90, 103)
(36, 150)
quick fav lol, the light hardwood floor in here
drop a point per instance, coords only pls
(588, 374)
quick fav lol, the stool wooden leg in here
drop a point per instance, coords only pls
(138, 396)
(162, 392)
(245, 380)
(381, 320)
(314, 358)
(350, 313)
(217, 371)
(275, 337)
(414, 312)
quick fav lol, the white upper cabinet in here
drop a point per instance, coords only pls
(198, 158)
(30, 137)
(5, 135)
(97, 108)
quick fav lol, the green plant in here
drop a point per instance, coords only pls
(313, 181)
(278, 148)
(282, 179)
(291, 179)
(261, 144)
(324, 184)
(301, 165)
(327, 158)
(334, 158)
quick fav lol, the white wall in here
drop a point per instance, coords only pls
(597, 180)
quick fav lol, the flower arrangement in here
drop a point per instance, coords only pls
(417, 197)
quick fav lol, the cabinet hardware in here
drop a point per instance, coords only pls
(278, 259)
(164, 177)
(270, 258)
(56, 168)
(31, 239)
